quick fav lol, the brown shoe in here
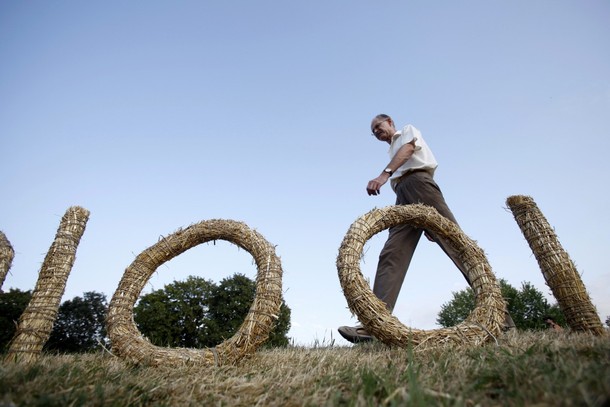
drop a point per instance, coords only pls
(356, 334)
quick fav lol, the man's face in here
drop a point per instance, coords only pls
(383, 129)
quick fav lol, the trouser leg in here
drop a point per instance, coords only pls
(394, 261)
(425, 190)
(421, 188)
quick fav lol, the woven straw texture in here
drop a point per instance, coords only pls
(36, 322)
(6, 257)
(557, 268)
(128, 342)
(483, 324)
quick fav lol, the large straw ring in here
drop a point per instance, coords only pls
(484, 322)
(128, 342)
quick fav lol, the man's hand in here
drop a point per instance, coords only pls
(374, 185)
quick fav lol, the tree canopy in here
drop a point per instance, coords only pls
(12, 305)
(527, 307)
(177, 315)
(80, 324)
(197, 313)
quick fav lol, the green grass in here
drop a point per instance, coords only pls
(522, 369)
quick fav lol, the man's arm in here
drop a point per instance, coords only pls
(402, 156)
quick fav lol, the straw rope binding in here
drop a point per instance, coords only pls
(558, 270)
(128, 342)
(6, 257)
(36, 322)
(484, 322)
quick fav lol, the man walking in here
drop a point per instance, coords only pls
(410, 172)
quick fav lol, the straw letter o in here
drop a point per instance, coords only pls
(128, 342)
(485, 321)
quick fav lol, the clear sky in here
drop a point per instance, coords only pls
(156, 115)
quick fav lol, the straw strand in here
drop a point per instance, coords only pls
(6, 257)
(36, 322)
(128, 342)
(558, 269)
(483, 324)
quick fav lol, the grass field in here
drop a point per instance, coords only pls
(522, 369)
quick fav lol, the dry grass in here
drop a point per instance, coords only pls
(523, 369)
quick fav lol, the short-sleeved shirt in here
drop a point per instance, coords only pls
(422, 158)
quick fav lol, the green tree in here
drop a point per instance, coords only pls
(527, 307)
(80, 325)
(12, 305)
(177, 315)
(231, 302)
(278, 337)
(457, 309)
(197, 313)
(530, 307)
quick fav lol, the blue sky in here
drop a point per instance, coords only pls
(157, 115)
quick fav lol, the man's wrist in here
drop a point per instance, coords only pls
(388, 171)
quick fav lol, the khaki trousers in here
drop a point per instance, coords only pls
(396, 255)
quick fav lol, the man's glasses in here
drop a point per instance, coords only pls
(376, 128)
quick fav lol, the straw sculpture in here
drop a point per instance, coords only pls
(557, 268)
(483, 324)
(36, 322)
(6, 257)
(128, 342)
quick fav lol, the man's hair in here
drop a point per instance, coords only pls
(382, 116)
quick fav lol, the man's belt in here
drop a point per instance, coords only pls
(410, 172)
